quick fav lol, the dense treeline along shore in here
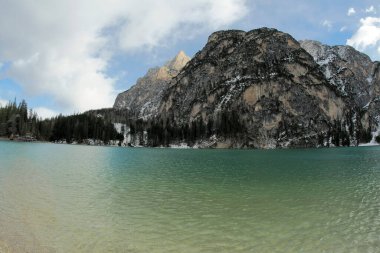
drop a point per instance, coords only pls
(20, 124)
(256, 89)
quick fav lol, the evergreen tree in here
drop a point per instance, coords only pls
(19, 121)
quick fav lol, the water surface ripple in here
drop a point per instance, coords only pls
(62, 198)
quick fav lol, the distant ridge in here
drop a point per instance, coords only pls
(144, 97)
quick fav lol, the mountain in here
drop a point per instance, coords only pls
(263, 83)
(356, 77)
(144, 97)
(349, 70)
(372, 115)
(258, 89)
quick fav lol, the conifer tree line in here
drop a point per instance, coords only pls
(17, 121)
(164, 130)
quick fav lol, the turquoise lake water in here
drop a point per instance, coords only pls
(67, 198)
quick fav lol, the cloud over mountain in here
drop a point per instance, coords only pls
(367, 37)
(62, 49)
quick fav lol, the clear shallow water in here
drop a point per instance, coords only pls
(61, 198)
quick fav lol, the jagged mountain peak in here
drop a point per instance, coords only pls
(178, 62)
(260, 88)
(260, 83)
(318, 50)
(223, 34)
(144, 97)
(218, 35)
(349, 70)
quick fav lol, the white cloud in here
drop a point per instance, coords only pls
(62, 49)
(370, 9)
(367, 37)
(149, 27)
(45, 113)
(327, 24)
(351, 11)
(343, 28)
(3, 102)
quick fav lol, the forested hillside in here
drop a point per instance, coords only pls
(20, 123)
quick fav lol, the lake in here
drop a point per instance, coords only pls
(71, 198)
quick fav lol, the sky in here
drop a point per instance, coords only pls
(69, 56)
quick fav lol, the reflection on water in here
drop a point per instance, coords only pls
(61, 198)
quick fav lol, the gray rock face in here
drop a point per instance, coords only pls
(354, 74)
(349, 70)
(372, 116)
(143, 98)
(258, 89)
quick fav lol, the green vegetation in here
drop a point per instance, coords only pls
(80, 127)
(163, 132)
(16, 121)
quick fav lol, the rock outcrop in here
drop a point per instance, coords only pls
(350, 71)
(261, 85)
(356, 77)
(258, 89)
(143, 98)
(371, 118)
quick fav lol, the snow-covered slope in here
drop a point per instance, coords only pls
(350, 71)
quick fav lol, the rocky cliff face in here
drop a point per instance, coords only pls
(143, 98)
(371, 118)
(255, 89)
(259, 89)
(355, 76)
(350, 71)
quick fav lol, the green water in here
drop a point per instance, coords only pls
(62, 198)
